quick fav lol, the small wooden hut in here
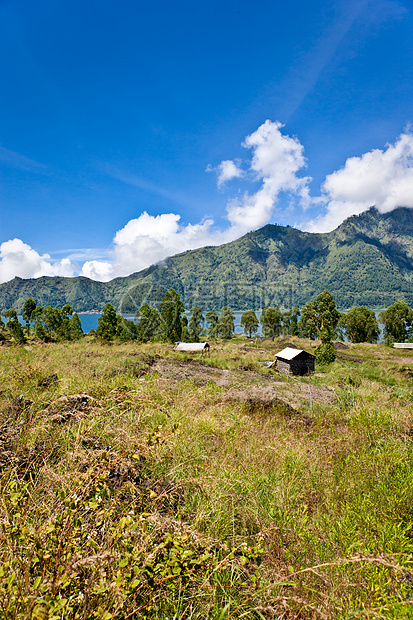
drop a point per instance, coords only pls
(295, 362)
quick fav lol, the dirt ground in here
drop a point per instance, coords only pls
(245, 384)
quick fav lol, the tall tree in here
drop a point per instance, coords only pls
(249, 322)
(64, 331)
(319, 318)
(66, 310)
(295, 313)
(171, 309)
(226, 326)
(13, 325)
(184, 328)
(398, 322)
(108, 324)
(148, 323)
(51, 319)
(270, 320)
(39, 328)
(76, 330)
(195, 324)
(290, 321)
(28, 309)
(212, 320)
(126, 330)
(361, 325)
(52, 323)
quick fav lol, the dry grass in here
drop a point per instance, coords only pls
(212, 488)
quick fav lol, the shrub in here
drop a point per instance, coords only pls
(325, 353)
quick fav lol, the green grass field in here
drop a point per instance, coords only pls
(141, 483)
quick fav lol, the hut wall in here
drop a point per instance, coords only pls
(296, 367)
(284, 367)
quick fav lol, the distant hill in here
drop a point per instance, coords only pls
(367, 260)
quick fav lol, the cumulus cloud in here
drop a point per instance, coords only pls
(276, 160)
(383, 178)
(19, 259)
(227, 170)
(146, 240)
(98, 270)
(380, 178)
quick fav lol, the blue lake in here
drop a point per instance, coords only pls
(90, 321)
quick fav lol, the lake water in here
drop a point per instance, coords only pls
(90, 321)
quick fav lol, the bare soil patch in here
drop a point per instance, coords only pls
(293, 395)
(349, 358)
(242, 385)
(402, 360)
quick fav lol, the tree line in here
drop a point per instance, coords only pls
(48, 323)
(318, 319)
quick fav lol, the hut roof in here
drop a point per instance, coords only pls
(289, 354)
(191, 346)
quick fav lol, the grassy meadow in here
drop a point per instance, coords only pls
(137, 482)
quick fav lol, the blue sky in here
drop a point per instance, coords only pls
(130, 131)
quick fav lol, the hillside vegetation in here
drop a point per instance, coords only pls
(137, 482)
(367, 260)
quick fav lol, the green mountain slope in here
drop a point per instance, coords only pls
(367, 260)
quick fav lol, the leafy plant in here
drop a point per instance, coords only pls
(398, 322)
(325, 353)
(250, 322)
(225, 325)
(319, 318)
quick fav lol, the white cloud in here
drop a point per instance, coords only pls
(380, 178)
(97, 270)
(275, 162)
(147, 240)
(228, 170)
(19, 259)
(276, 157)
(383, 178)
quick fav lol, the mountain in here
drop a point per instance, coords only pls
(367, 260)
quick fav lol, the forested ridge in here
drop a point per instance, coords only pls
(367, 260)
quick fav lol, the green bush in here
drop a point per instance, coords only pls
(325, 353)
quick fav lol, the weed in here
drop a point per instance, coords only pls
(135, 484)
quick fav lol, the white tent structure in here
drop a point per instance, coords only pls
(195, 347)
